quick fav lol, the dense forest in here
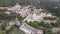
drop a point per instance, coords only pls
(52, 6)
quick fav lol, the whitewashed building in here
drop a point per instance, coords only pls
(37, 15)
(22, 10)
(16, 8)
(56, 29)
(30, 30)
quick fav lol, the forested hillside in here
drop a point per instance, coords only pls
(52, 6)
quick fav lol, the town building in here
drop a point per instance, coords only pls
(30, 30)
(31, 15)
(16, 8)
(37, 15)
(12, 23)
(23, 11)
(56, 29)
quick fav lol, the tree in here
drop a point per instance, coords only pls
(1, 32)
(58, 23)
(42, 23)
(33, 24)
(48, 31)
